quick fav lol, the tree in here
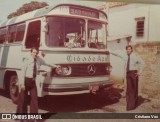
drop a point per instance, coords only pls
(33, 5)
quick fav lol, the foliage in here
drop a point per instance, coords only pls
(33, 5)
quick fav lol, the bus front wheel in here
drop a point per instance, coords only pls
(13, 89)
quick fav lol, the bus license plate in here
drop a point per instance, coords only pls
(93, 87)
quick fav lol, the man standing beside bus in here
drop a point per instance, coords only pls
(134, 68)
(29, 70)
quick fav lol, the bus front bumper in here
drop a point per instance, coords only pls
(77, 88)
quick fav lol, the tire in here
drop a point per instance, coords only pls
(13, 89)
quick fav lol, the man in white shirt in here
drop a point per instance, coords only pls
(134, 68)
(29, 71)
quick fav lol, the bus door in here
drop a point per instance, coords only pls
(33, 34)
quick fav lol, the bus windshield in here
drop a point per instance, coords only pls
(66, 32)
(96, 35)
(71, 33)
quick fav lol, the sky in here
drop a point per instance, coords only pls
(9, 6)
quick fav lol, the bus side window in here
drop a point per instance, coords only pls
(12, 34)
(33, 34)
(3, 33)
(20, 32)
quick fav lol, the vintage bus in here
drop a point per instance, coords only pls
(70, 35)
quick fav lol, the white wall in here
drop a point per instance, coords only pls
(154, 23)
(122, 21)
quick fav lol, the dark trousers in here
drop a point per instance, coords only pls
(132, 90)
(30, 86)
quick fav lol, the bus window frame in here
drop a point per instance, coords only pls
(4, 28)
(23, 33)
(17, 25)
(9, 33)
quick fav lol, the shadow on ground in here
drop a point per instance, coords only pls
(79, 103)
(142, 100)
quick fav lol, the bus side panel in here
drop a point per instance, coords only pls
(1, 68)
(13, 58)
(1, 77)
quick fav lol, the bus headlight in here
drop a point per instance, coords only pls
(64, 70)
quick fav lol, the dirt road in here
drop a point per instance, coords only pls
(102, 103)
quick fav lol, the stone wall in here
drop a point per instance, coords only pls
(149, 81)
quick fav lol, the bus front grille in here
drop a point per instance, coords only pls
(82, 70)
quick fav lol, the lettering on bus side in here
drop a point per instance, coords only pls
(71, 58)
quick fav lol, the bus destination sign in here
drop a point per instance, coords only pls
(83, 12)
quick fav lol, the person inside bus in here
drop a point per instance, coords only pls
(29, 72)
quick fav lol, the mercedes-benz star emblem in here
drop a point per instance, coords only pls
(91, 69)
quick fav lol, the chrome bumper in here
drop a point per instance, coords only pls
(77, 87)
